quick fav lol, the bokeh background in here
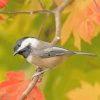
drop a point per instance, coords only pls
(66, 77)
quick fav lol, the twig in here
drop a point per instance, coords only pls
(64, 4)
(42, 26)
(58, 28)
(41, 4)
(27, 12)
(57, 13)
(30, 86)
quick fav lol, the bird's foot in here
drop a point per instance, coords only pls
(41, 72)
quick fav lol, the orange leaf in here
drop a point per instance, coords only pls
(82, 22)
(3, 17)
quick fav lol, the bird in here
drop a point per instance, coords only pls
(43, 54)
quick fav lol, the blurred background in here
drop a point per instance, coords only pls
(65, 77)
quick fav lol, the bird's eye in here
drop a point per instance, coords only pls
(18, 45)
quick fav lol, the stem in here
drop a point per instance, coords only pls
(57, 13)
(31, 85)
(27, 12)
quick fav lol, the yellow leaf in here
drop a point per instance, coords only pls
(85, 92)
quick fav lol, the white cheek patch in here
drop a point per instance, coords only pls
(29, 59)
(32, 41)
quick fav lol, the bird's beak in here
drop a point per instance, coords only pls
(15, 53)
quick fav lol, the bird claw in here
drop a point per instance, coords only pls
(39, 73)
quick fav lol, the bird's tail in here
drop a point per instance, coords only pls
(85, 53)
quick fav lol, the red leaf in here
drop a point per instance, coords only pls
(3, 3)
(15, 76)
(12, 88)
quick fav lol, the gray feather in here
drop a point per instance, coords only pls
(54, 51)
(85, 53)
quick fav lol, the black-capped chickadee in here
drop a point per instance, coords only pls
(41, 53)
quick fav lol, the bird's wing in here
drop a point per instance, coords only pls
(54, 51)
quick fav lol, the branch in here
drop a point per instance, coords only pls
(64, 4)
(57, 14)
(30, 86)
(28, 12)
(42, 26)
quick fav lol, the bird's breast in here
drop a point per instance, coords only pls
(45, 62)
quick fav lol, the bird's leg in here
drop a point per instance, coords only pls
(40, 72)
(37, 70)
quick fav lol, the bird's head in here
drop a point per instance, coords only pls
(24, 46)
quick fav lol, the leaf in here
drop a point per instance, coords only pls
(82, 22)
(13, 87)
(3, 3)
(85, 92)
(3, 17)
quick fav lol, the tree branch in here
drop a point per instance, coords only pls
(57, 14)
(64, 4)
(30, 86)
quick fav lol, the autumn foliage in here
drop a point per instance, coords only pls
(85, 92)
(3, 3)
(13, 87)
(82, 22)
